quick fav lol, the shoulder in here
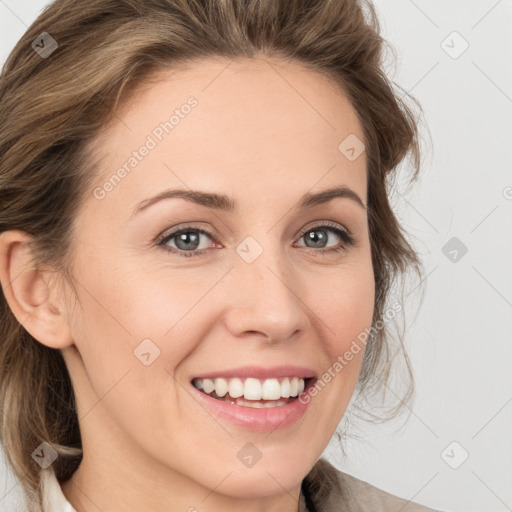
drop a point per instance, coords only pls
(332, 490)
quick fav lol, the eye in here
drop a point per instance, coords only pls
(318, 237)
(187, 240)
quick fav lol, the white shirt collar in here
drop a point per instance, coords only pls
(55, 501)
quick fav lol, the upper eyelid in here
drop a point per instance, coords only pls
(174, 232)
(325, 223)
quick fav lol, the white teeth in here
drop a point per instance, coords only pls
(285, 388)
(252, 388)
(208, 385)
(271, 390)
(236, 388)
(221, 387)
(260, 405)
(294, 386)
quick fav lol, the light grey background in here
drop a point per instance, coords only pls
(459, 341)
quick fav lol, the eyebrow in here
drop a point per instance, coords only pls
(225, 203)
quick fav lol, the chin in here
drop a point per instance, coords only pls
(257, 484)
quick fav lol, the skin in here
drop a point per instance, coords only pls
(265, 134)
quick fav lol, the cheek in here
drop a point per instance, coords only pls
(347, 310)
(346, 303)
(125, 370)
(133, 331)
(160, 300)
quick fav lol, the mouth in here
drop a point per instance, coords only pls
(253, 392)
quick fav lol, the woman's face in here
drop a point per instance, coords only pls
(263, 284)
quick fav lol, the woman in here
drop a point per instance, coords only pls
(176, 177)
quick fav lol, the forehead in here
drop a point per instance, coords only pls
(254, 125)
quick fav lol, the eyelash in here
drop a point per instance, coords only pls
(347, 238)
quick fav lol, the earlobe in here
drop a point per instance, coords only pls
(34, 303)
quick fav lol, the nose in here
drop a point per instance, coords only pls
(266, 299)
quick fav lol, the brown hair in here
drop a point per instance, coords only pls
(52, 108)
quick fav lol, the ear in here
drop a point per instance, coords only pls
(33, 302)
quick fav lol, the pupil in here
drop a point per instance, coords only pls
(184, 237)
(314, 238)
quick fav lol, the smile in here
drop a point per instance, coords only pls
(250, 408)
(274, 391)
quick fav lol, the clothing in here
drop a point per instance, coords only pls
(324, 489)
(327, 489)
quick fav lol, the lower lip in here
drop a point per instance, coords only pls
(265, 419)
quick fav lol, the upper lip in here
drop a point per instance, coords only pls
(260, 372)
